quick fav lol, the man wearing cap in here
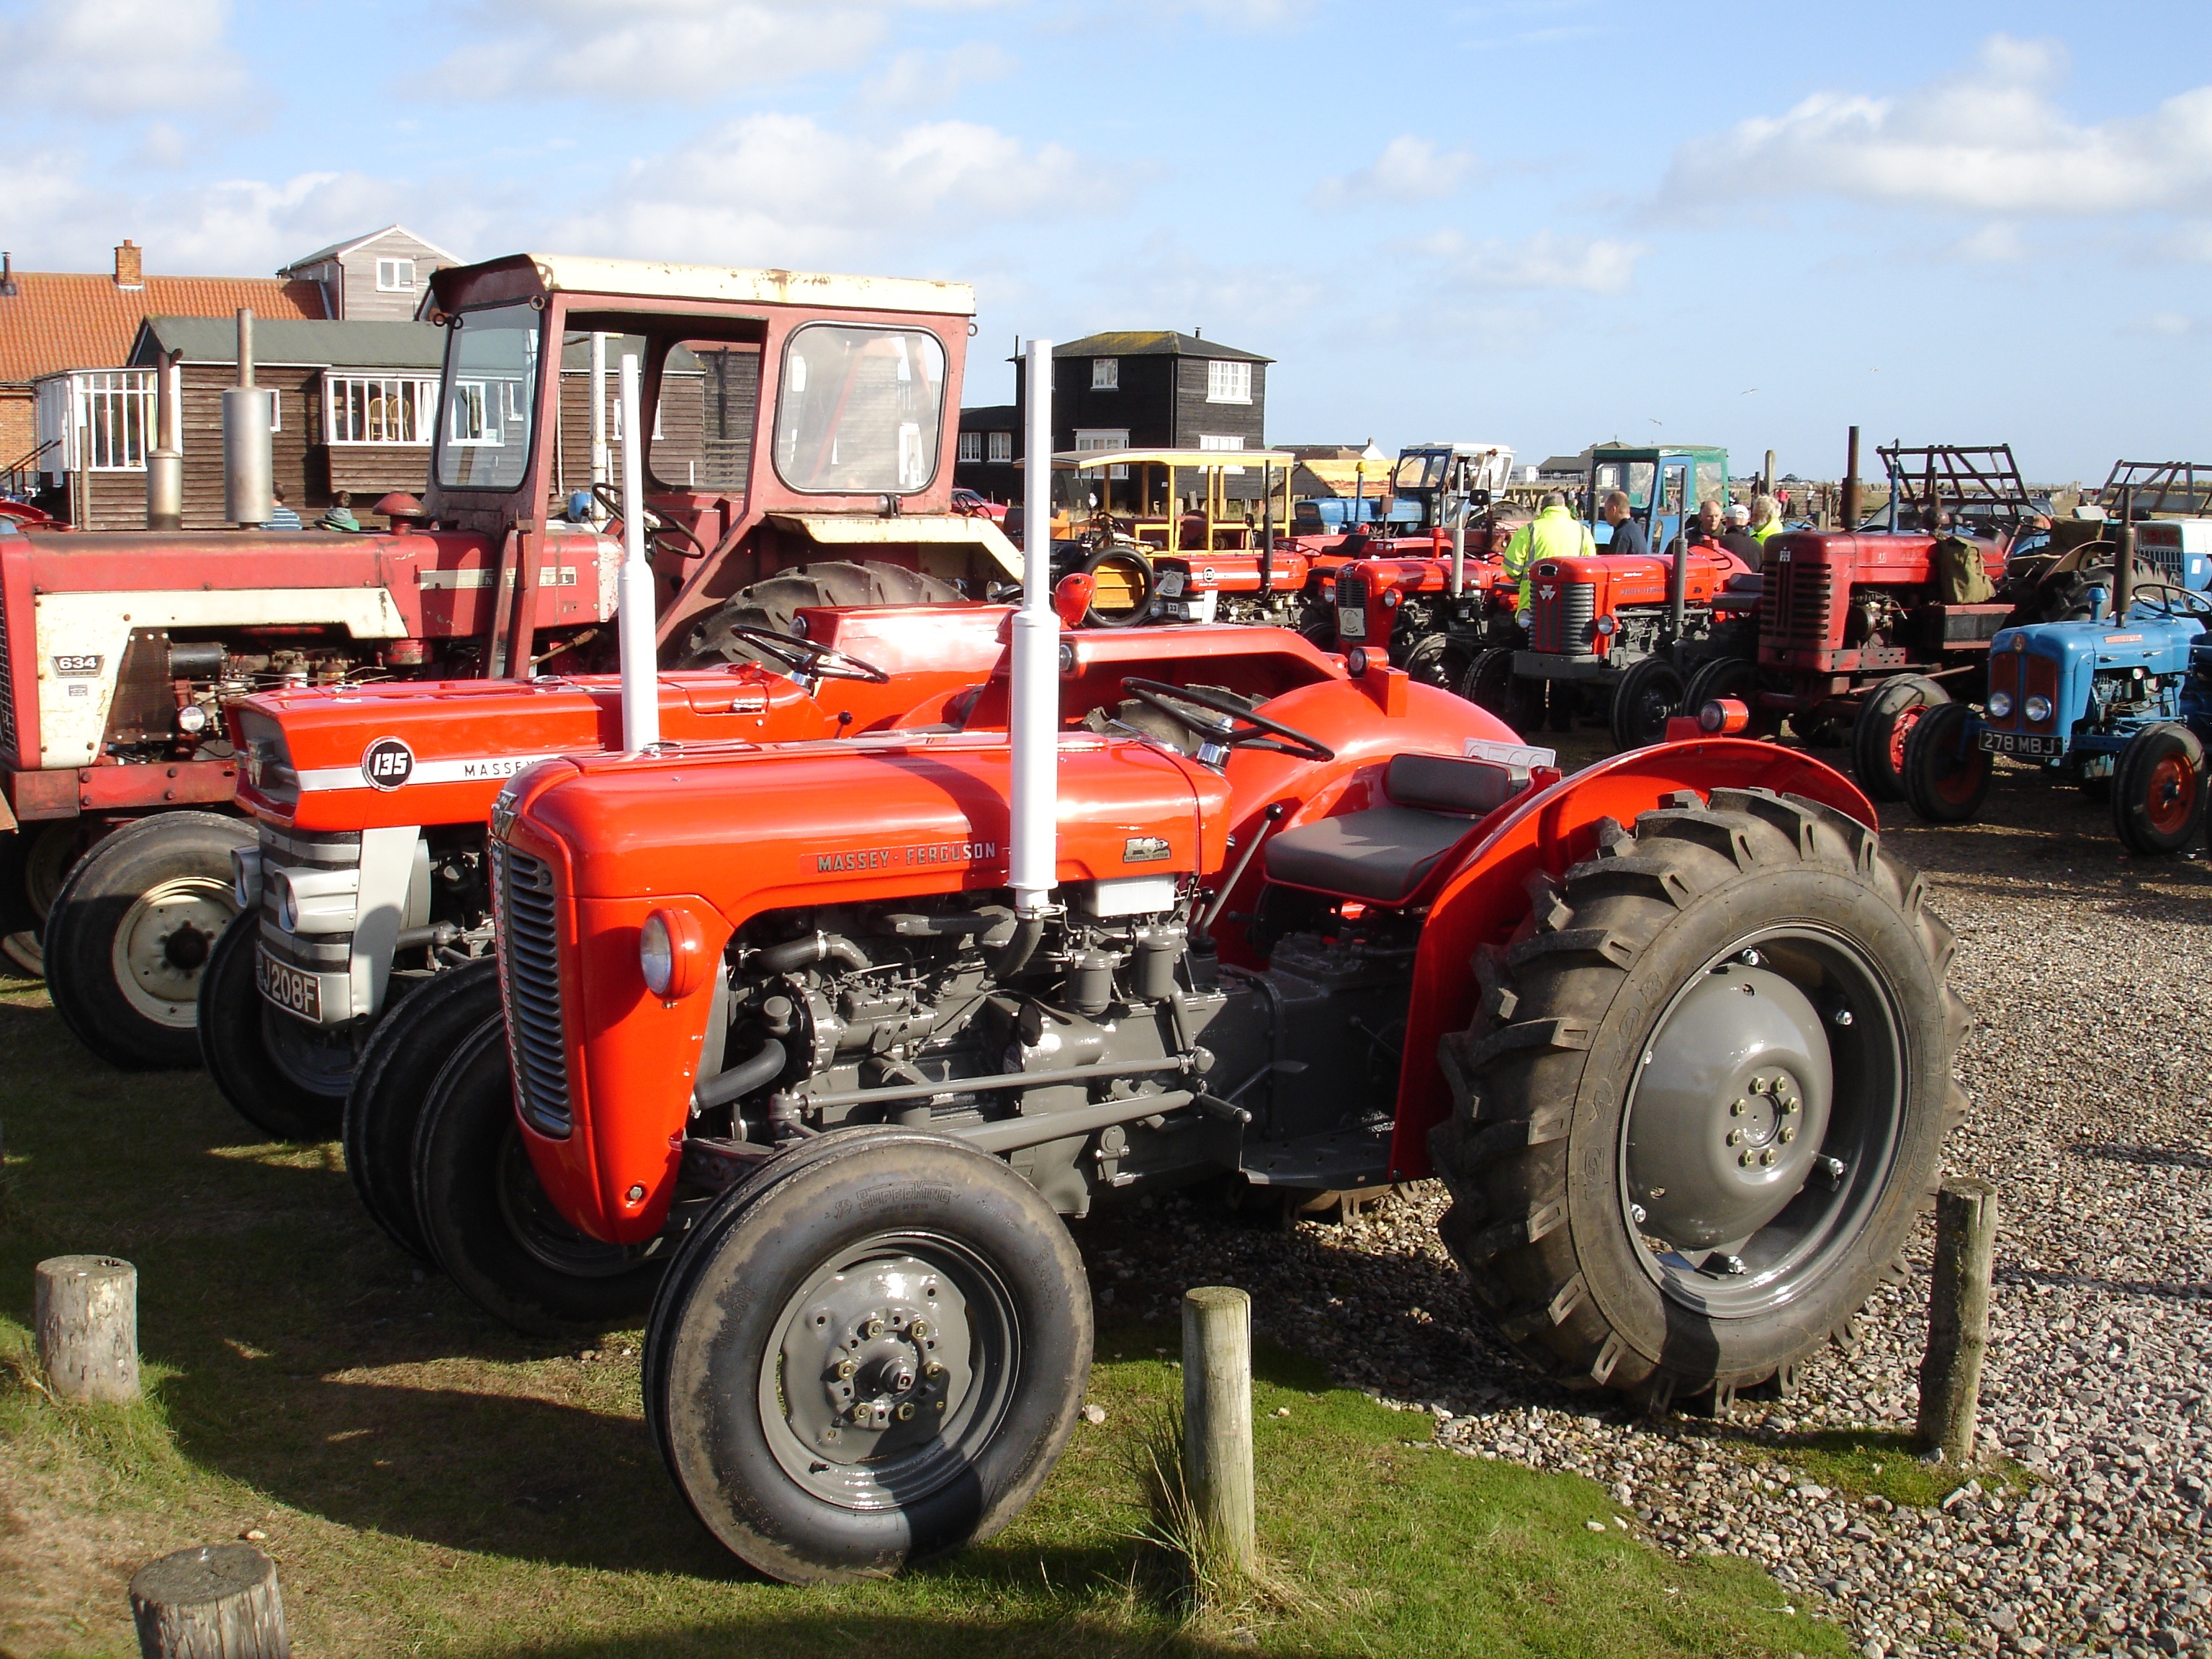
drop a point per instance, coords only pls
(1738, 539)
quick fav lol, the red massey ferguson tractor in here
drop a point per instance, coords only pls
(825, 1039)
(799, 454)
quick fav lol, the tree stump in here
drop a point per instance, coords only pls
(1957, 1316)
(217, 1601)
(86, 1313)
(1217, 1417)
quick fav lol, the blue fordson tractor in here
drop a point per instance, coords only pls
(2119, 702)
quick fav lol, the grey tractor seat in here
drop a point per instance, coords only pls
(1383, 854)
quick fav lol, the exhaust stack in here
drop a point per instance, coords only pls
(598, 427)
(634, 598)
(1033, 837)
(165, 466)
(1851, 506)
(248, 463)
(2124, 558)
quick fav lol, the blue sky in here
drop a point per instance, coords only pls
(1537, 222)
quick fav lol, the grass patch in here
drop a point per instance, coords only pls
(431, 1483)
(1888, 1463)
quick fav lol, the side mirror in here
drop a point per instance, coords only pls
(1071, 599)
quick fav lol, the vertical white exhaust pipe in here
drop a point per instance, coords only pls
(1033, 840)
(634, 596)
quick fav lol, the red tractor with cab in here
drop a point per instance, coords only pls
(817, 1043)
(797, 453)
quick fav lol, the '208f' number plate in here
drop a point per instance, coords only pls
(294, 992)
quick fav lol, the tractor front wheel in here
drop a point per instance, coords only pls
(1884, 726)
(872, 1353)
(1725, 677)
(1704, 1098)
(493, 1227)
(286, 1077)
(34, 861)
(1946, 772)
(1491, 683)
(401, 1062)
(1643, 701)
(2158, 789)
(130, 933)
(1438, 660)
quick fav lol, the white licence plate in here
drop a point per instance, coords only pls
(2034, 745)
(295, 992)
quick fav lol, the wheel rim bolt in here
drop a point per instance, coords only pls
(845, 1368)
(906, 1413)
(1745, 1160)
(921, 1330)
(1843, 1015)
(872, 1329)
(1740, 1107)
(1788, 1134)
(932, 1372)
(1767, 1157)
(1791, 1105)
(1760, 1085)
(1737, 1138)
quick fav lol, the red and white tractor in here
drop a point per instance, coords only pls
(797, 453)
(818, 1043)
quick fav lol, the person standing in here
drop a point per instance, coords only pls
(1706, 529)
(1628, 536)
(1553, 533)
(1738, 539)
(1766, 519)
(281, 517)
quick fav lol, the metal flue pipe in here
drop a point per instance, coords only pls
(248, 461)
(165, 464)
(1033, 838)
(1463, 498)
(2124, 560)
(1850, 506)
(634, 598)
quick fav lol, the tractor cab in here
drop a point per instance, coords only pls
(1665, 488)
(1442, 481)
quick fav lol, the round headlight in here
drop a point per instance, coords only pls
(2038, 707)
(1606, 625)
(2000, 703)
(668, 954)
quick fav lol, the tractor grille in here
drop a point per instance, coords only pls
(7, 693)
(1564, 617)
(1351, 608)
(2005, 677)
(530, 980)
(1798, 607)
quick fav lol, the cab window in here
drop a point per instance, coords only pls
(489, 397)
(858, 410)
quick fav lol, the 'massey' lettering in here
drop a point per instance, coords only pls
(885, 858)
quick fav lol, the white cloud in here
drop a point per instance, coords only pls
(916, 80)
(778, 190)
(1591, 264)
(1997, 243)
(687, 51)
(1409, 169)
(124, 57)
(1989, 139)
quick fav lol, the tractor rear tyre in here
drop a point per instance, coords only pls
(33, 860)
(1946, 773)
(870, 1353)
(131, 932)
(1438, 660)
(1704, 1098)
(491, 1226)
(774, 602)
(1884, 720)
(383, 1109)
(1643, 701)
(1492, 684)
(286, 1077)
(2158, 789)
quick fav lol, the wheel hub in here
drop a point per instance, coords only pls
(162, 944)
(1731, 1108)
(885, 1349)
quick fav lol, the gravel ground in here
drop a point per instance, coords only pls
(2086, 969)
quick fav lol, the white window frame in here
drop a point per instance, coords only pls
(1228, 381)
(971, 447)
(113, 409)
(1105, 373)
(1002, 449)
(1221, 443)
(1104, 438)
(418, 394)
(401, 275)
(615, 420)
(471, 399)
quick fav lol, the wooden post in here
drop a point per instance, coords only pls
(1217, 1420)
(217, 1601)
(86, 1313)
(1957, 1316)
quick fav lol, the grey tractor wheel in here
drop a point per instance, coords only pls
(286, 1077)
(398, 1066)
(493, 1227)
(774, 602)
(1703, 1099)
(1643, 701)
(1885, 723)
(870, 1353)
(130, 933)
(2158, 789)
(1946, 773)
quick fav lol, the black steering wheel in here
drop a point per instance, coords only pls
(2192, 600)
(607, 498)
(1239, 726)
(806, 657)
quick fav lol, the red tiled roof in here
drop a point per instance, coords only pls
(66, 320)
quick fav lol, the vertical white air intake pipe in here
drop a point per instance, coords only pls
(1033, 842)
(634, 596)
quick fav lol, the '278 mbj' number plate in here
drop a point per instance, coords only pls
(2029, 746)
(294, 992)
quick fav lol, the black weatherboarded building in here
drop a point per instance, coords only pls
(1141, 389)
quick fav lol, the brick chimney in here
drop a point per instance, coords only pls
(130, 271)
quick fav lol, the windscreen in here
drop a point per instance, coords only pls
(859, 410)
(1419, 468)
(489, 397)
